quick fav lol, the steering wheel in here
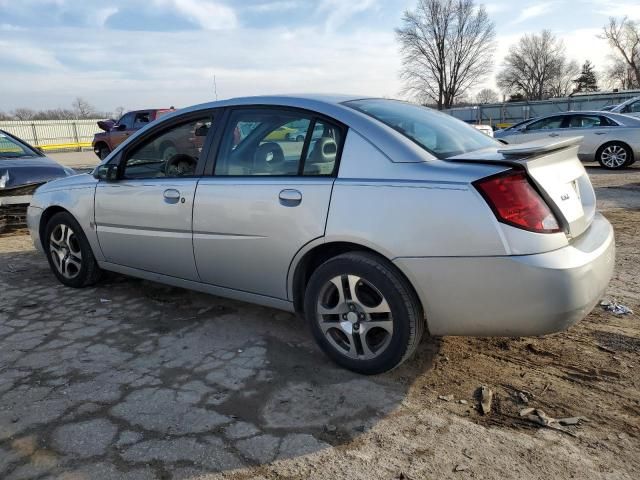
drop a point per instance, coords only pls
(180, 165)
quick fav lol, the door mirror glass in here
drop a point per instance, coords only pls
(121, 127)
(107, 172)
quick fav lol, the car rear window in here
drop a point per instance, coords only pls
(438, 133)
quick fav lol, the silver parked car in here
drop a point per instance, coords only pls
(611, 139)
(630, 107)
(389, 220)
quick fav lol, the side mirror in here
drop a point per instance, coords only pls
(121, 127)
(201, 131)
(107, 172)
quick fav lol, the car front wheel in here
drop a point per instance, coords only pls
(69, 253)
(103, 152)
(363, 313)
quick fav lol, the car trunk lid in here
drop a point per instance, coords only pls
(556, 172)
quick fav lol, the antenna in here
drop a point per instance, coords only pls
(215, 87)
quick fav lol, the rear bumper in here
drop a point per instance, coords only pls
(515, 295)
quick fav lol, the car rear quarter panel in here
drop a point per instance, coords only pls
(411, 209)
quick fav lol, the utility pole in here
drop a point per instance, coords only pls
(215, 87)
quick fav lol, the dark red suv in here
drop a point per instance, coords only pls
(116, 132)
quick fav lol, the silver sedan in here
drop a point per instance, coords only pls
(388, 221)
(611, 139)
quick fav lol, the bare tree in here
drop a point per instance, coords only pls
(620, 75)
(23, 114)
(537, 68)
(447, 48)
(5, 116)
(117, 113)
(624, 37)
(83, 108)
(487, 95)
(563, 83)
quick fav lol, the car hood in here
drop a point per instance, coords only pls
(18, 172)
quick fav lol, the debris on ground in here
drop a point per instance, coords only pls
(105, 300)
(522, 397)
(446, 398)
(462, 402)
(615, 307)
(460, 468)
(539, 417)
(486, 398)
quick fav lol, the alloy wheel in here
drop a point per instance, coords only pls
(614, 156)
(354, 317)
(65, 251)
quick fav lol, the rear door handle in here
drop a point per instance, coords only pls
(171, 195)
(554, 134)
(290, 197)
(601, 133)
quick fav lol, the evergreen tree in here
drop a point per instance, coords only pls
(587, 81)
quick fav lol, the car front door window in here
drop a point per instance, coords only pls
(172, 153)
(125, 122)
(546, 124)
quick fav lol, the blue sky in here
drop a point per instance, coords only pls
(140, 53)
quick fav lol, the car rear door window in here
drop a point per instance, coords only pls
(589, 121)
(323, 149)
(172, 153)
(262, 142)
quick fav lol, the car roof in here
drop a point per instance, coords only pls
(622, 118)
(390, 142)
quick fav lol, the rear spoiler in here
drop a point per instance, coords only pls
(538, 147)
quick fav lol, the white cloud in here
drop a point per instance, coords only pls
(277, 6)
(338, 12)
(208, 14)
(533, 11)
(102, 15)
(177, 68)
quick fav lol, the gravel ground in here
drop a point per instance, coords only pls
(135, 380)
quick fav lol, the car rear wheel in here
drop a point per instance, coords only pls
(363, 313)
(614, 155)
(69, 253)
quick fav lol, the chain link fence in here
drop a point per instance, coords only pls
(503, 114)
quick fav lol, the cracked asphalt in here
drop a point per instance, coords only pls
(134, 380)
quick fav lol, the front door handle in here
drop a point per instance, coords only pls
(171, 195)
(290, 197)
(600, 133)
(554, 134)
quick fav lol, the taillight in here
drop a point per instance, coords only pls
(515, 202)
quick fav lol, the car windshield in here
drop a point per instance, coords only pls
(10, 148)
(438, 133)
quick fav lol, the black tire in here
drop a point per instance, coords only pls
(612, 165)
(103, 152)
(89, 272)
(405, 309)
